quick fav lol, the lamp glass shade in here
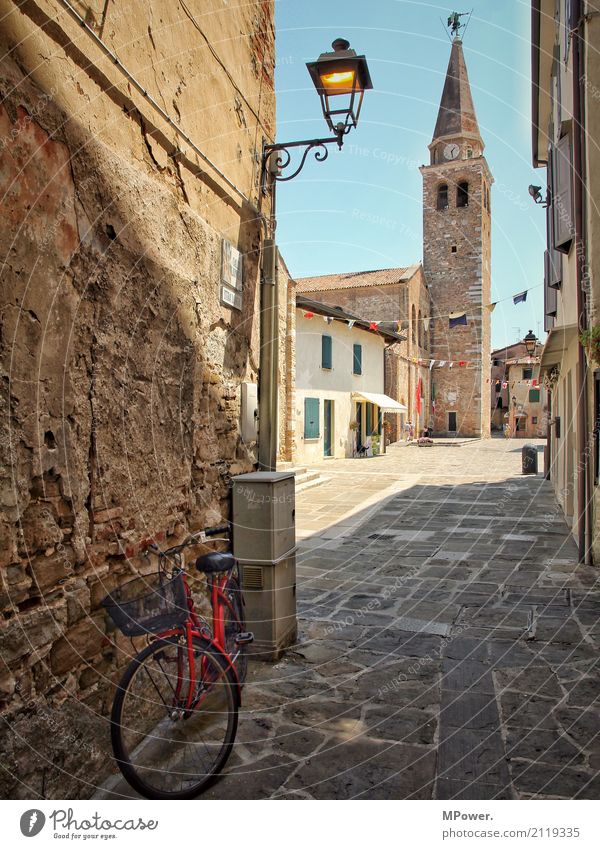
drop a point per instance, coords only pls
(530, 342)
(338, 82)
(340, 72)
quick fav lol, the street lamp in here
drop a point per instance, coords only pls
(530, 342)
(340, 74)
(341, 79)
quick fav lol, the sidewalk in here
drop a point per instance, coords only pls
(449, 643)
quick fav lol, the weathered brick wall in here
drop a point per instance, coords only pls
(459, 280)
(121, 369)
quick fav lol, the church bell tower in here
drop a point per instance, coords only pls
(457, 257)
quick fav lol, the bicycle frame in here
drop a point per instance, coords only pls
(194, 628)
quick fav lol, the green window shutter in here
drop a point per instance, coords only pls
(534, 396)
(369, 418)
(311, 418)
(357, 355)
(326, 355)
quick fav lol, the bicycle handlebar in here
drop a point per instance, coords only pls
(214, 532)
(193, 539)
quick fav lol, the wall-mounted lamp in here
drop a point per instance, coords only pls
(536, 194)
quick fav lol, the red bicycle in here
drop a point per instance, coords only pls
(175, 712)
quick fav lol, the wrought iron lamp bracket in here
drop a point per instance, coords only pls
(276, 158)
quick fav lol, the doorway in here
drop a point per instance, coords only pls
(452, 422)
(327, 428)
(359, 427)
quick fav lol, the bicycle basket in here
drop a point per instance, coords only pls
(148, 605)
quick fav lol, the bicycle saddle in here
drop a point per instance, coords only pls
(216, 561)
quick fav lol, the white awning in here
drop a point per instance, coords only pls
(384, 402)
(559, 339)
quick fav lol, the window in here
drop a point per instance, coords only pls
(562, 195)
(499, 402)
(553, 269)
(420, 329)
(442, 196)
(357, 359)
(326, 356)
(534, 396)
(469, 153)
(311, 418)
(498, 386)
(527, 373)
(462, 194)
(414, 325)
(452, 422)
(453, 249)
(534, 419)
(550, 297)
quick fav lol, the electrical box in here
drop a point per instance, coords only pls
(249, 409)
(264, 515)
(264, 542)
(270, 604)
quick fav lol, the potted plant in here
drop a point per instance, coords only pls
(590, 339)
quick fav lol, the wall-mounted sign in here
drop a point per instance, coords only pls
(232, 275)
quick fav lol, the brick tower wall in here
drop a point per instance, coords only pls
(456, 259)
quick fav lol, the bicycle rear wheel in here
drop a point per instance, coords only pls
(235, 623)
(163, 750)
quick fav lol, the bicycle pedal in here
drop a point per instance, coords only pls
(243, 638)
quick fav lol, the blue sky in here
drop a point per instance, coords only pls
(362, 208)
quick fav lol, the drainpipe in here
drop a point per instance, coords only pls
(583, 488)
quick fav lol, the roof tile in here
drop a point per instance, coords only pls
(357, 279)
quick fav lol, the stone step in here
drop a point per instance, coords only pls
(305, 476)
(311, 482)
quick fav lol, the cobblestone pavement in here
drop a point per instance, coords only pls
(449, 641)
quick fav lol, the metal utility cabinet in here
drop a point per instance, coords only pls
(264, 542)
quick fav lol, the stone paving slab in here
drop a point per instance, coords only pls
(449, 641)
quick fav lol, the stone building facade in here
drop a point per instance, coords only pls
(457, 257)
(129, 155)
(399, 299)
(565, 73)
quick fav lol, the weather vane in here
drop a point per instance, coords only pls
(455, 24)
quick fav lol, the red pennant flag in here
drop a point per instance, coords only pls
(374, 325)
(462, 363)
(309, 315)
(534, 382)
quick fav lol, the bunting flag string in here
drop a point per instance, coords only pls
(455, 319)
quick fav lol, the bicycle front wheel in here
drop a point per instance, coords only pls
(164, 749)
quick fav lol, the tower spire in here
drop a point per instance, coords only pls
(456, 118)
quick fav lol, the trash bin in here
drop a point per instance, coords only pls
(530, 460)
